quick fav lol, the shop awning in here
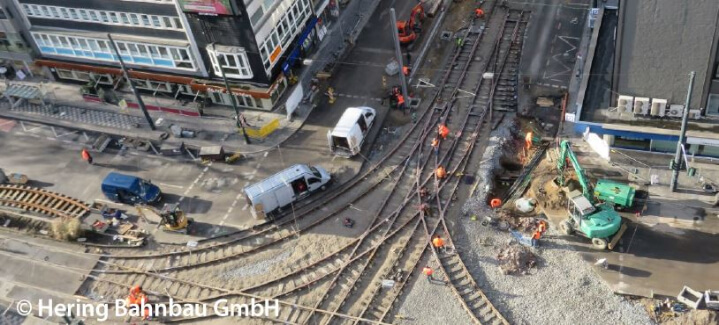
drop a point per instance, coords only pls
(295, 54)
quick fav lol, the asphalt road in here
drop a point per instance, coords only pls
(553, 38)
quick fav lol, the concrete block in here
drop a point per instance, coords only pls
(711, 298)
(690, 297)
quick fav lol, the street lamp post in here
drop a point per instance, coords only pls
(232, 100)
(132, 86)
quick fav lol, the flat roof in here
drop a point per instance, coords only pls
(348, 120)
(662, 41)
(278, 179)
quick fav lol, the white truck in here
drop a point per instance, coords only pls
(347, 137)
(281, 189)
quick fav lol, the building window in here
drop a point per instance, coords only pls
(2, 14)
(286, 29)
(257, 16)
(99, 49)
(234, 63)
(102, 16)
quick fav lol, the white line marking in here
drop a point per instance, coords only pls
(266, 153)
(170, 185)
(247, 205)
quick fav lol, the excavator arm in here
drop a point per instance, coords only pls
(564, 153)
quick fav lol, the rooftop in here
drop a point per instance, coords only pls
(661, 42)
(657, 43)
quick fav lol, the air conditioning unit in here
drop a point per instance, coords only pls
(695, 114)
(641, 106)
(659, 107)
(675, 110)
(625, 104)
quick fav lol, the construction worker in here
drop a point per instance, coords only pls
(428, 272)
(460, 42)
(400, 102)
(535, 238)
(478, 13)
(406, 70)
(435, 146)
(495, 203)
(86, 156)
(438, 243)
(443, 131)
(528, 140)
(441, 173)
(542, 228)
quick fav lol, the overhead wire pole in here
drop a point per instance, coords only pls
(398, 53)
(132, 86)
(676, 166)
(240, 123)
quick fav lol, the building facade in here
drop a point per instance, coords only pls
(16, 54)
(178, 48)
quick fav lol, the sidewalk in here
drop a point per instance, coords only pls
(71, 111)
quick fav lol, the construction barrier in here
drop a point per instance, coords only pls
(264, 131)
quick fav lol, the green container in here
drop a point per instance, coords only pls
(614, 192)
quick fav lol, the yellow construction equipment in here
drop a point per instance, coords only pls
(170, 218)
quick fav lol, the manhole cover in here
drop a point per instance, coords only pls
(446, 35)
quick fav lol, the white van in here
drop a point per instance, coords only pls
(285, 187)
(347, 137)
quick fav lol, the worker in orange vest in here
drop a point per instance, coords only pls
(86, 156)
(438, 243)
(443, 131)
(479, 13)
(528, 140)
(542, 228)
(406, 70)
(495, 203)
(428, 272)
(441, 173)
(435, 146)
(535, 238)
(400, 102)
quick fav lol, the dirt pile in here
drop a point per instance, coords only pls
(516, 259)
(697, 317)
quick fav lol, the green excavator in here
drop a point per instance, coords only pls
(591, 211)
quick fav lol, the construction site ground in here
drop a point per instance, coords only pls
(669, 244)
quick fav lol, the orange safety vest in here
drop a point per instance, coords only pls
(405, 70)
(438, 242)
(441, 173)
(479, 12)
(495, 203)
(85, 154)
(427, 271)
(443, 130)
(400, 99)
(537, 235)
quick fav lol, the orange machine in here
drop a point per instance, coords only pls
(408, 29)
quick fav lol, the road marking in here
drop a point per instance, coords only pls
(170, 185)
(266, 153)
(106, 201)
(247, 205)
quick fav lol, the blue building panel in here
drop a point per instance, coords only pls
(580, 127)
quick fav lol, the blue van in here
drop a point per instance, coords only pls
(130, 189)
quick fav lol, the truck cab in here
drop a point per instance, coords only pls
(130, 189)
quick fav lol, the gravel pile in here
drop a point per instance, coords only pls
(516, 259)
(260, 267)
(561, 289)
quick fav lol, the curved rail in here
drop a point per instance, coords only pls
(42, 201)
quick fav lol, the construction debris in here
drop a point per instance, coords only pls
(516, 259)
